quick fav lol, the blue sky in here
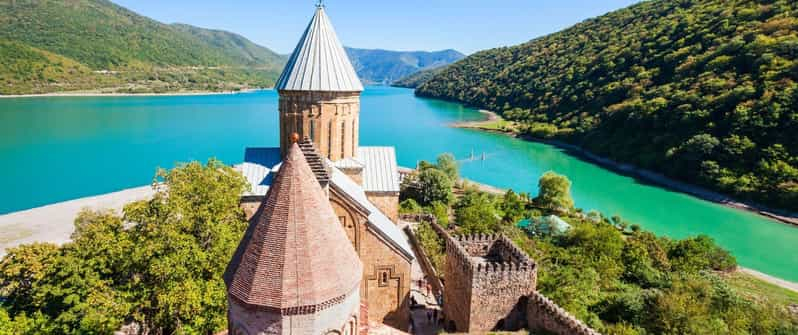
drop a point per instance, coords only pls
(464, 25)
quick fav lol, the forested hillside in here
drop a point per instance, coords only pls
(704, 91)
(419, 78)
(126, 50)
(385, 66)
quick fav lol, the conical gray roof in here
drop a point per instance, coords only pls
(319, 62)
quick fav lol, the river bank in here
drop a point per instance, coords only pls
(492, 124)
(113, 94)
(54, 223)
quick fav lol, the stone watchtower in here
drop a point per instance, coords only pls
(294, 271)
(320, 93)
(488, 281)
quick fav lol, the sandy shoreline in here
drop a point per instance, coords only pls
(54, 223)
(489, 118)
(647, 175)
(101, 94)
(770, 279)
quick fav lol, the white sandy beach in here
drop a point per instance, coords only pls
(54, 223)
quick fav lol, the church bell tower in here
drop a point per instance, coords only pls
(320, 93)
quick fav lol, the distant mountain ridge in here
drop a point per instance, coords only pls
(99, 46)
(377, 66)
(127, 48)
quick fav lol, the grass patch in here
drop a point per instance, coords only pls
(758, 289)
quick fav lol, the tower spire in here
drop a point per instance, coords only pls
(320, 92)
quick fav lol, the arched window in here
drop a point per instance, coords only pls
(312, 129)
(383, 278)
(329, 139)
(343, 138)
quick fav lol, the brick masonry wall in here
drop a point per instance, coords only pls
(340, 317)
(354, 174)
(498, 297)
(386, 273)
(543, 314)
(457, 287)
(387, 203)
(330, 119)
(487, 283)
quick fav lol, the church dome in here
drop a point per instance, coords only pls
(295, 255)
(319, 62)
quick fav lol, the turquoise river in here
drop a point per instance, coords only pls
(59, 148)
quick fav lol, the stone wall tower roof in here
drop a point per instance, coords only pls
(319, 62)
(295, 255)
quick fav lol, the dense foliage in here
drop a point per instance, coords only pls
(620, 281)
(419, 78)
(702, 90)
(555, 192)
(159, 265)
(126, 50)
(375, 66)
(431, 184)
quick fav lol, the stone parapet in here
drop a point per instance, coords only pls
(487, 282)
(544, 314)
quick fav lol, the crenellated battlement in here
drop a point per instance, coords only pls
(491, 285)
(488, 253)
(487, 280)
(543, 313)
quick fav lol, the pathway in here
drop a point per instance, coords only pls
(425, 300)
(426, 303)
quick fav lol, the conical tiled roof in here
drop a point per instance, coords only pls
(295, 255)
(319, 62)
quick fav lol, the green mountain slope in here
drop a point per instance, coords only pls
(134, 51)
(23, 68)
(419, 78)
(385, 66)
(237, 49)
(704, 91)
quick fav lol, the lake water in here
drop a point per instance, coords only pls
(60, 148)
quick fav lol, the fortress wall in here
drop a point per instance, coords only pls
(543, 314)
(487, 281)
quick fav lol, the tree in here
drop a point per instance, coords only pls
(448, 164)
(476, 213)
(700, 253)
(513, 207)
(159, 265)
(441, 212)
(428, 186)
(409, 206)
(554, 192)
(184, 237)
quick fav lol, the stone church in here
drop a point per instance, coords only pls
(322, 208)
